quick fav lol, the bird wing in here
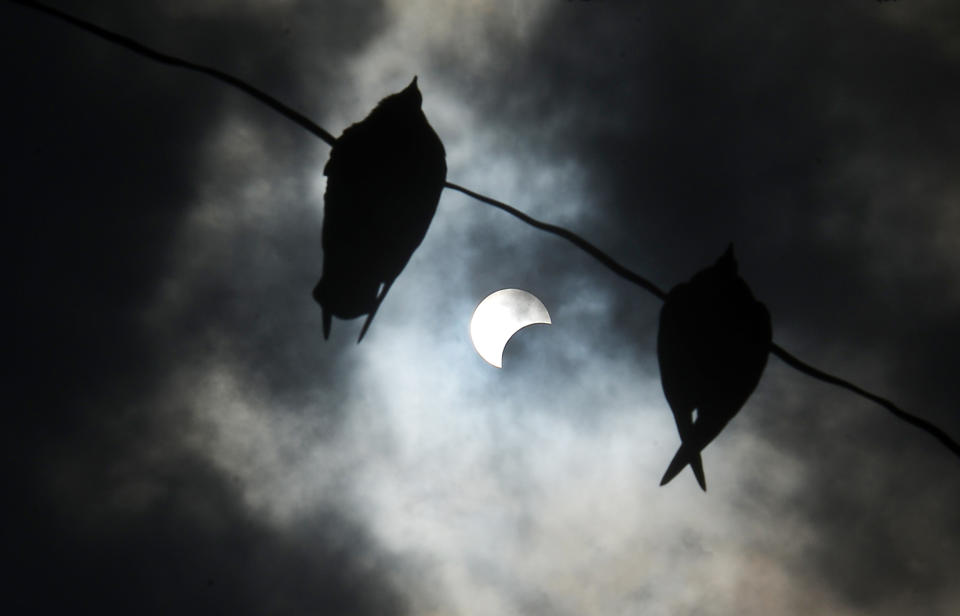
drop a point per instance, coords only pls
(736, 345)
(681, 378)
(679, 370)
(350, 281)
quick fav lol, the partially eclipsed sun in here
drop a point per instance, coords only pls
(499, 316)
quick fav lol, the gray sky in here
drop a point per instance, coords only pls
(183, 439)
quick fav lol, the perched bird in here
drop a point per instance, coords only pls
(384, 179)
(712, 347)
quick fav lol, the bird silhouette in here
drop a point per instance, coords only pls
(712, 347)
(384, 179)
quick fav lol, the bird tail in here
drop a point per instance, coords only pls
(376, 304)
(327, 322)
(327, 315)
(684, 456)
(366, 324)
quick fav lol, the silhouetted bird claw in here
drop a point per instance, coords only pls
(712, 346)
(384, 180)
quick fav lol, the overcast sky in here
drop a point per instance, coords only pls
(182, 439)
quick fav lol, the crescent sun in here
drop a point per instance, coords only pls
(499, 316)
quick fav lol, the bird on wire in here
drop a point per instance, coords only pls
(712, 347)
(384, 179)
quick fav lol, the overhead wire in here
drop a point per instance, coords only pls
(602, 257)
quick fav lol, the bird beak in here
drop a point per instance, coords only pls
(727, 260)
(412, 93)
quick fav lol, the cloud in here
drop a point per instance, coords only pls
(107, 164)
(192, 548)
(187, 440)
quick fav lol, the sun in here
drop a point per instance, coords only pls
(499, 316)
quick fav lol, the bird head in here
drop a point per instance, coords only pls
(403, 103)
(722, 272)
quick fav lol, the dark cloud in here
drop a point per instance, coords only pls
(189, 548)
(163, 229)
(710, 123)
(105, 157)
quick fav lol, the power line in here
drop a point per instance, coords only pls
(143, 50)
(898, 412)
(608, 261)
(605, 259)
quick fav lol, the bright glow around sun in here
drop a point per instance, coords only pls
(499, 316)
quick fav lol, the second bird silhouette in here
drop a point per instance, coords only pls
(384, 180)
(712, 347)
